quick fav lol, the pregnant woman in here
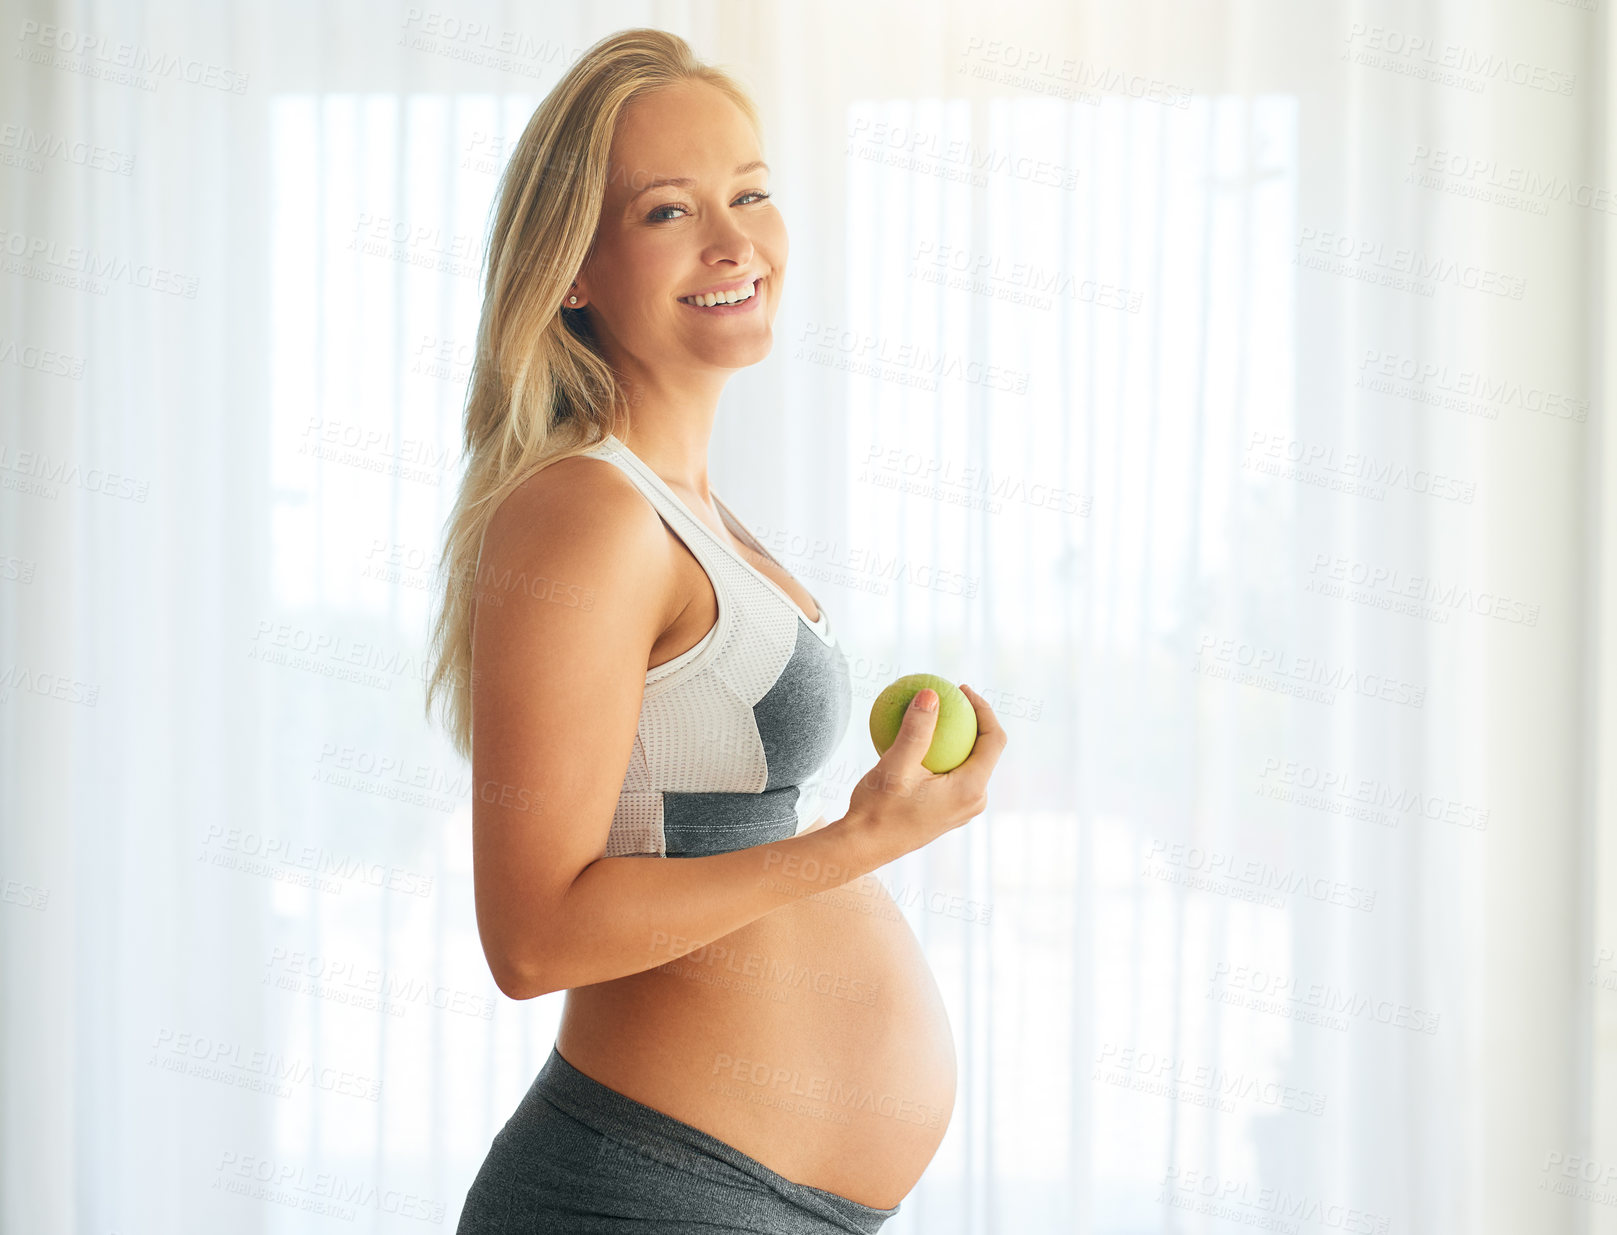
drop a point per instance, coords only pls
(751, 1038)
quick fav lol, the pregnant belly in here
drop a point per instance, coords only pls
(813, 1039)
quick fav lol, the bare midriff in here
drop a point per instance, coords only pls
(813, 1039)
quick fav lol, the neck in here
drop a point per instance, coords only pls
(671, 431)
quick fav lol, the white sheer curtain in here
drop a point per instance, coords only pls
(1219, 389)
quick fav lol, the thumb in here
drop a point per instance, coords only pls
(915, 733)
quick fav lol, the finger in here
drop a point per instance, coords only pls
(990, 742)
(987, 722)
(914, 732)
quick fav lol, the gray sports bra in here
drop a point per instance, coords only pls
(730, 729)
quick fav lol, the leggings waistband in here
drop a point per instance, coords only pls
(622, 1117)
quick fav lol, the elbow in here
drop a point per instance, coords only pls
(522, 951)
(518, 977)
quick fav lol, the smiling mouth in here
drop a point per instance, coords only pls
(718, 300)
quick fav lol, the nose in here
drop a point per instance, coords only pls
(727, 240)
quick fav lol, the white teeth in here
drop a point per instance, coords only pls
(713, 298)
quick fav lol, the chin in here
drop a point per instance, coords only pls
(744, 352)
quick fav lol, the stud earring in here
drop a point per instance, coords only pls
(572, 300)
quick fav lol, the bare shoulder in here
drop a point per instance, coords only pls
(575, 529)
(573, 500)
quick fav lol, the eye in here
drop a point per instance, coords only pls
(657, 216)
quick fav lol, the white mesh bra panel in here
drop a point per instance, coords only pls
(698, 732)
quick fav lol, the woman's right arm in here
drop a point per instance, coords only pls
(576, 583)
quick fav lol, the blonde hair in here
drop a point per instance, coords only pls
(540, 388)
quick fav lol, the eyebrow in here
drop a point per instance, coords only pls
(685, 182)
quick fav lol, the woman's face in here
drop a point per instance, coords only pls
(659, 243)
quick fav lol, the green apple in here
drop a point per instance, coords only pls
(956, 731)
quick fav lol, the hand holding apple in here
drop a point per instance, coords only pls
(956, 729)
(901, 803)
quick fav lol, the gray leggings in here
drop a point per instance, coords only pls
(578, 1156)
